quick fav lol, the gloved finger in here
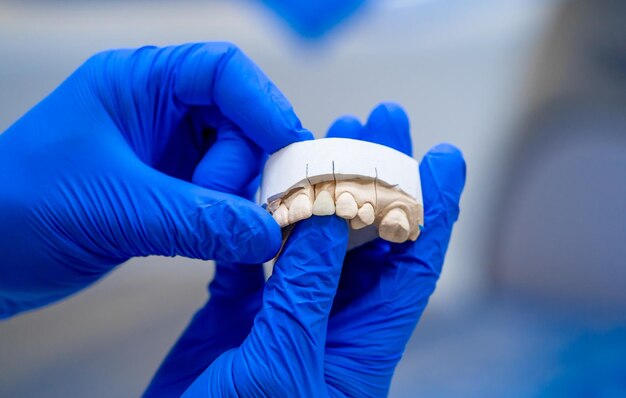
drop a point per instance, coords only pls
(383, 268)
(388, 125)
(290, 330)
(220, 74)
(158, 214)
(231, 164)
(442, 172)
(385, 287)
(345, 127)
(223, 323)
(250, 191)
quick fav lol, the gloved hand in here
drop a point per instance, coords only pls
(320, 328)
(138, 153)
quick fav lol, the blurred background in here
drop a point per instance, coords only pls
(532, 301)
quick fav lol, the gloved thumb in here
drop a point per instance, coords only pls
(288, 337)
(232, 164)
(162, 215)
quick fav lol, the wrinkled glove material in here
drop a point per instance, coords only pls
(139, 152)
(326, 323)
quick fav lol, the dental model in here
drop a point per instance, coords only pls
(375, 187)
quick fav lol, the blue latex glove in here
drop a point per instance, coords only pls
(126, 158)
(316, 328)
(314, 18)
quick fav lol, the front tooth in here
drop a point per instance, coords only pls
(300, 209)
(366, 214)
(394, 227)
(272, 206)
(346, 206)
(356, 223)
(281, 215)
(323, 205)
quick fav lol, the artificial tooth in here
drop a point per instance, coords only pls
(281, 215)
(356, 223)
(323, 205)
(346, 206)
(394, 227)
(415, 234)
(300, 209)
(272, 206)
(366, 214)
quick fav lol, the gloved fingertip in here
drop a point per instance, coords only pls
(328, 227)
(246, 96)
(445, 147)
(390, 109)
(296, 134)
(262, 243)
(250, 191)
(237, 230)
(304, 134)
(317, 235)
(347, 126)
(442, 172)
(231, 164)
(449, 160)
(388, 124)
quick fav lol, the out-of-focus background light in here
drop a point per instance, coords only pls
(532, 299)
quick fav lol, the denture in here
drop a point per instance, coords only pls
(369, 185)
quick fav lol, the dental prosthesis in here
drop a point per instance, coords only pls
(373, 186)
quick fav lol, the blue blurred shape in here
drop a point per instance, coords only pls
(593, 366)
(314, 18)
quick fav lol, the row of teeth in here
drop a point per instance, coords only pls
(394, 225)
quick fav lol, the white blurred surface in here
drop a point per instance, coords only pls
(458, 69)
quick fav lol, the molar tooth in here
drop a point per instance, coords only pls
(394, 226)
(346, 206)
(415, 233)
(300, 208)
(323, 205)
(281, 215)
(366, 214)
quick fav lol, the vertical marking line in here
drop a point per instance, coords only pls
(307, 174)
(376, 187)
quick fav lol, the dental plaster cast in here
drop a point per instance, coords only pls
(371, 185)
